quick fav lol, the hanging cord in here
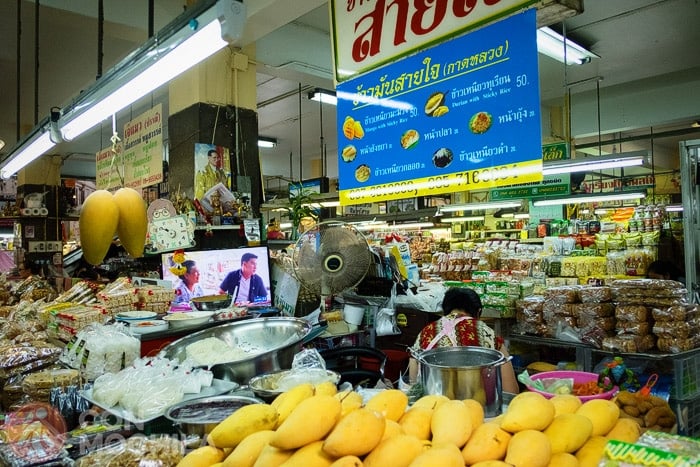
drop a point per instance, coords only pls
(300, 136)
(36, 61)
(18, 71)
(216, 123)
(116, 149)
(100, 36)
(323, 162)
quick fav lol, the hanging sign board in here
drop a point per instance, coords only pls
(368, 34)
(143, 149)
(460, 116)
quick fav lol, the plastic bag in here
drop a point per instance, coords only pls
(385, 324)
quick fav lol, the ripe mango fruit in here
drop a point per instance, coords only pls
(391, 428)
(349, 127)
(568, 432)
(349, 400)
(397, 451)
(565, 403)
(356, 434)
(590, 453)
(451, 424)
(528, 411)
(347, 461)
(416, 422)
(563, 459)
(311, 455)
(447, 455)
(270, 456)
(287, 401)
(476, 411)
(491, 464)
(133, 220)
(241, 423)
(327, 387)
(249, 449)
(625, 429)
(310, 421)
(488, 442)
(602, 413)
(432, 401)
(529, 448)
(99, 218)
(205, 455)
(391, 403)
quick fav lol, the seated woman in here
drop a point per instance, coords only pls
(461, 326)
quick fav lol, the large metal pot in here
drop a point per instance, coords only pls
(464, 373)
(272, 343)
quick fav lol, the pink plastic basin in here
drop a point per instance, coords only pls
(578, 376)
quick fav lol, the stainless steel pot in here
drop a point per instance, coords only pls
(464, 373)
(274, 342)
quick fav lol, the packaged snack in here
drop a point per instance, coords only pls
(641, 328)
(564, 294)
(556, 309)
(594, 309)
(679, 329)
(632, 313)
(676, 344)
(675, 313)
(605, 324)
(629, 343)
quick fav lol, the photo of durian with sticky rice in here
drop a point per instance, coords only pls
(349, 153)
(362, 173)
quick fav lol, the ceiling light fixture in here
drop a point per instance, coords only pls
(2, 144)
(481, 206)
(265, 142)
(191, 38)
(27, 150)
(414, 225)
(591, 198)
(463, 219)
(630, 159)
(323, 95)
(522, 215)
(674, 208)
(553, 44)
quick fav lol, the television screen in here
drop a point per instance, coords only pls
(243, 273)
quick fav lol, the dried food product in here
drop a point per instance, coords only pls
(564, 294)
(650, 301)
(629, 343)
(676, 344)
(676, 312)
(628, 327)
(136, 451)
(16, 359)
(559, 309)
(604, 323)
(632, 313)
(537, 329)
(679, 329)
(648, 284)
(595, 294)
(594, 309)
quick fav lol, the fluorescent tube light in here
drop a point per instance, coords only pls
(264, 142)
(522, 215)
(481, 206)
(371, 226)
(161, 59)
(414, 225)
(2, 144)
(553, 44)
(636, 158)
(590, 198)
(27, 151)
(463, 219)
(323, 95)
(674, 208)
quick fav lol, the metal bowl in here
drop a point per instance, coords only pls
(267, 386)
(271, 342)
(197, 417)
(212, 302)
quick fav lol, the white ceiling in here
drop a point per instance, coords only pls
(638, 41)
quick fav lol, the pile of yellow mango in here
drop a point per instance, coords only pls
(311, 426)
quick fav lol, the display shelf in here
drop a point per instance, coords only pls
(218, 227)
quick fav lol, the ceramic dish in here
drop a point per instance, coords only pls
(148, 326)
(188, 319)
(136, 315)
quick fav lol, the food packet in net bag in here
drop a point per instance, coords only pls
(308, 358)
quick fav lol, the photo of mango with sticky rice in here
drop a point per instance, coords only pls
(409, 139)
(349, 153)
(352, 129)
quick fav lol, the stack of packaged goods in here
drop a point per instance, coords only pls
(595, 315)
(677, 327)
(65, 320)
(559, 309)
(118, 296)
(154, 298)
(529, 316)
(37, 386)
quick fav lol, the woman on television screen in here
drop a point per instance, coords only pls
(243, 284)
(188, 287)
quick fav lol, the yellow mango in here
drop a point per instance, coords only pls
(347, 461)
(349, 400)
(248, 450)
(625, 429)
(288, 400)
(356, 434)
(241, 423)
(565, 403)
(491, 464)
(133, 220)
(416, 422)
(311, 455)
(451, 423)
(349, 128)
(391, 403)
(397, 451)
(310, 421)
(327, 388)
(447, 455)
(529, 448)
(391, 428)
(431, 401)
(488, 442)
(568, 432)
(270, 456)
(590, 453)
(563, 459)
(202, 457)
(476, 411)
(602, 413)
(528, 411)
(99, 218)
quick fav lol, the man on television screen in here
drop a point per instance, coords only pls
(243, 284)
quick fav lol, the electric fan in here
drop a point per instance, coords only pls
(330, 258)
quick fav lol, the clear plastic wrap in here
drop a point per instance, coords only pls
(629, 343)
(16, 359)
(645, 284)
(679, 329)
(632, 313)
(641, 328)
(564, 294)
(676, 313)
(603, 323)
(676, 344)
(536, 329)
(529, 316)
(594, 309)
(137, 451)
(595, 294)
(562, 309)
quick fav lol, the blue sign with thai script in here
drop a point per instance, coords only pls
(467, 104)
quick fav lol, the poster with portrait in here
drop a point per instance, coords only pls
(212, 165)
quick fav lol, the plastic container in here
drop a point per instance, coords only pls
(578, 377)
(353, 314)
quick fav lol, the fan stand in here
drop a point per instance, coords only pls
(332, 264)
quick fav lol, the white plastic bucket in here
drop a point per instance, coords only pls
(353, 314)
